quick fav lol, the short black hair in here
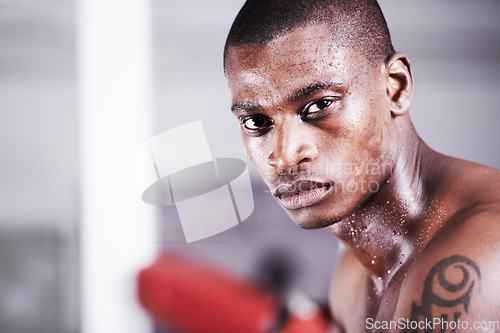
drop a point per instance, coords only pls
(355, 24)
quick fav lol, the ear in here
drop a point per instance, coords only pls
(399, 83)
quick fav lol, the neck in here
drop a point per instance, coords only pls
(392, 226)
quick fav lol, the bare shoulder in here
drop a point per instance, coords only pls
(474, 184)
(455, 278)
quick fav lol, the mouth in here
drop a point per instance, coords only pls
(302, 194)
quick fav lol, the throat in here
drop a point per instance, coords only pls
(393, 225)
(381, 246)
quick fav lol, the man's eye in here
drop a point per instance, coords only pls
(256, 123)
(317, 106)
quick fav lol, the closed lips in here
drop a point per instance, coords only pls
(299, 187)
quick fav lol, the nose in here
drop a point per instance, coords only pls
(293, 144)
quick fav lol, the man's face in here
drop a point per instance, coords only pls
(315, 122)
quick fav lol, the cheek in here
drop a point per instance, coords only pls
(375, 143)
(361, 139)
(256, 153)
(370, 116)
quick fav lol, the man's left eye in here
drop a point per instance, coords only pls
(317, 106)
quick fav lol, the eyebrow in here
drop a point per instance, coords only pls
(245, 106)
(294, 96)
(312, 89)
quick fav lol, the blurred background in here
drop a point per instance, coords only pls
(83, 83)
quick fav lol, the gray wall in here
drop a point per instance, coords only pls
(38, 167)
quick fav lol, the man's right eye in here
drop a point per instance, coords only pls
(256, 123)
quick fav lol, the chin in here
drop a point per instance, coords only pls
(308, 220)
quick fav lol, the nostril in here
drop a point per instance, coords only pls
(285, 161)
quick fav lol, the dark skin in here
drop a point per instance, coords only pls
(329, 133)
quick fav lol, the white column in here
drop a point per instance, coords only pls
(117, 229)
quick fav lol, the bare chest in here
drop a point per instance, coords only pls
(367, 309)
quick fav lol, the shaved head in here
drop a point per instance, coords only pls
(355, 24)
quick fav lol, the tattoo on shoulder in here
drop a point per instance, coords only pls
(446, 296)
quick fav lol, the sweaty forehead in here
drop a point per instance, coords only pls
(288, 62)
(310, 44)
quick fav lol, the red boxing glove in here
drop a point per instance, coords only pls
(195, 298)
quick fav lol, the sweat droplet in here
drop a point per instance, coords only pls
(389, 271)
(380, 278)
(373, 262)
